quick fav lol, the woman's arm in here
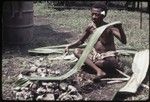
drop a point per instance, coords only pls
(81, 39)
(118, 32)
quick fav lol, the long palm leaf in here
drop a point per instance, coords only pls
(83, 57)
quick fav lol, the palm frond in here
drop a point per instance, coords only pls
(83, 57)
(21, 82)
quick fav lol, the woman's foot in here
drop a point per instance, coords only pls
(101, 74)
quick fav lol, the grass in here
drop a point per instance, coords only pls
(77, 20)
(137, 38)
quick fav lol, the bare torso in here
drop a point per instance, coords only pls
(105, 42)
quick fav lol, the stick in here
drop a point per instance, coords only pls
(116, 79)
(143, 85)
(123, 73)
(141, 17)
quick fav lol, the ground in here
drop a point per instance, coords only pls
(16, 59)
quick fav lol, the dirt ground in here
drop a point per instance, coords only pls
(15, 59)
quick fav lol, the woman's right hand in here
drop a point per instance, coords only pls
(67, 49)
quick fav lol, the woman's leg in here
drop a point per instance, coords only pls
(78, 53)
(108, 65)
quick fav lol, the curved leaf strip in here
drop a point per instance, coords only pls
(97, 33)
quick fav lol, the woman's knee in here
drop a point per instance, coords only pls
(100, 63)
(111, 63)
(107, 63)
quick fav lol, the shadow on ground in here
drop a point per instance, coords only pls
(43, 35)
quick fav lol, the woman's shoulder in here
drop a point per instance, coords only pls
(90, 26)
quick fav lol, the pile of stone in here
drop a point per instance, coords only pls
(44, 90)
(42, 67)
(47, 91)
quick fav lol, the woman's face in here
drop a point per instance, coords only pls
(97, 17)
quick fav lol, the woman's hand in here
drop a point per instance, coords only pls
(67, 49)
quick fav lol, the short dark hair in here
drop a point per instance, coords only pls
(101, 6)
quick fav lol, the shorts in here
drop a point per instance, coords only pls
(94, 56)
